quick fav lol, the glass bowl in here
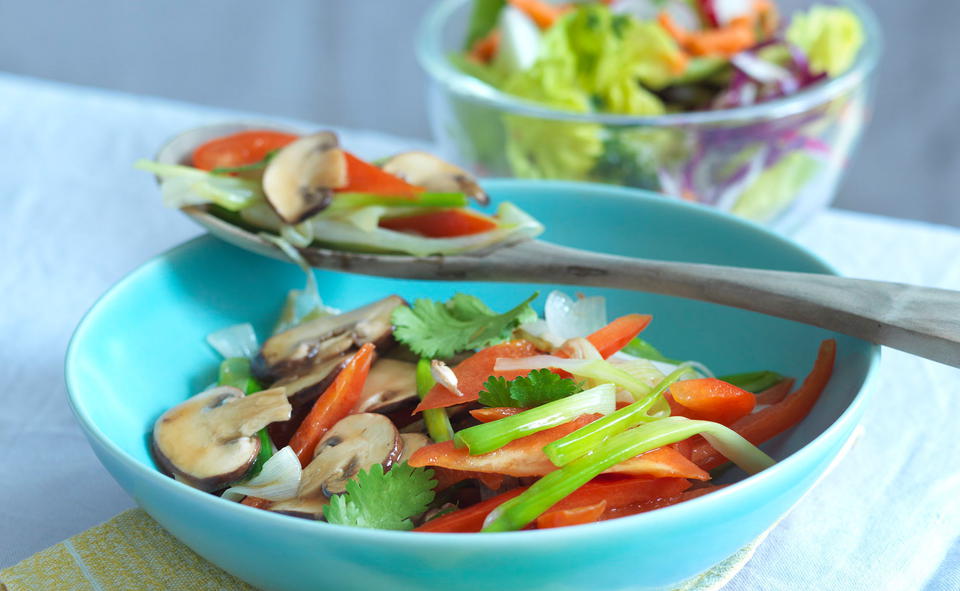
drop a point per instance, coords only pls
(775, 163)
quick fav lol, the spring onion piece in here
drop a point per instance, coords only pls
(755, 382)
(277, 481)
(488, 437)
(583, 440)
(344, 201)
(436, 419)
(641, 348)
(239, 340)
(184, 185)
(235, 371)
(591, 369)
(546, 492)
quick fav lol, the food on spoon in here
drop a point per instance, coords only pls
(310, 191)
(566, 431)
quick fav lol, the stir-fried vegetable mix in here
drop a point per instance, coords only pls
(451, 417)
(309, 191)
(648, 58)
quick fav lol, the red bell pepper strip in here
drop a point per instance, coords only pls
(239, 149)
(446, 478)
(615, 336)
(487, 415)
(334, 404)
(444, 223)
(473, 372)
(525, 457)
(659, 502)
(710, 399)
(363, 177)
(616, 492)
(776, 392)
(773, 420)
(575, 516)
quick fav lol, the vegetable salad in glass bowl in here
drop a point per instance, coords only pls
(451, 417)
(728, 103)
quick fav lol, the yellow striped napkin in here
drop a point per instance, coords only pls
(132, 552)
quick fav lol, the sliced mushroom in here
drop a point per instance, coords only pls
(295, 351)
(300, 179)
(389, 384)
(433, 174)
(355, 443)
(306, 388)
(411, 443)
(209, 441)
(311, 508)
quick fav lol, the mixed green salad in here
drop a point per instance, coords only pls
(656, 57)
(448, 416)
(301, 191)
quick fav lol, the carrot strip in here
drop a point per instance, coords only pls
(775, 393)
(485, 48)
(337, 402)
(255, 502)
(773, 420)
(525, 457)
(725, 41)
(615, 336)
(542, 13)
(487, 415)
(445, 223)
(710, 399)
(574, 516)
(473, 372)
(618, 492)
(673, 28)
(363, 177)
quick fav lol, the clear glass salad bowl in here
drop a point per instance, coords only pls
(774, 162)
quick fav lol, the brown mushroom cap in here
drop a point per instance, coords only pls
(433, 174)
(389, 384)
(296, 351)
(355, 443)
(411, 443)
(209, 441)
(300, 178)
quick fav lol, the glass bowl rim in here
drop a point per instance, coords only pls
(433, 59)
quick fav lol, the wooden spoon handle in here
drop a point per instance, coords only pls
(920, 320)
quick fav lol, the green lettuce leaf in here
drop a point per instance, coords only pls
(831, 36)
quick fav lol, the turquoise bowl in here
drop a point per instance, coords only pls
(141, 350)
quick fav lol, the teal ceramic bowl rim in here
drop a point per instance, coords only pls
(652, 519)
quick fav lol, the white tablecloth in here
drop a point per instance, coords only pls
(75, 217)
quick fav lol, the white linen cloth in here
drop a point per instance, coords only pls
(75, 217)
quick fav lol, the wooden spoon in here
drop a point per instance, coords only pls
(920, 320)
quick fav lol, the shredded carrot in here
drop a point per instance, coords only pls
(728, 40)
(542, 13)
(680, 34)
(485, 48)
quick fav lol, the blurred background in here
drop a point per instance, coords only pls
(352, 64)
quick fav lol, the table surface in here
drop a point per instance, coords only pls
(77, 217)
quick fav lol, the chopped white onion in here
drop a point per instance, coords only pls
(759, 69)
(238, 340)
(277, 481)
(519, 41)
(727, 10)
(581, 348)
(568, 318)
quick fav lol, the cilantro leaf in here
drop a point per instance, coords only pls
(441, 330)
(538, 387)
(379, 500)
(496, 392)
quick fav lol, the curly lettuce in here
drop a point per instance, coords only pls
(776, 186)
(831, 36)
